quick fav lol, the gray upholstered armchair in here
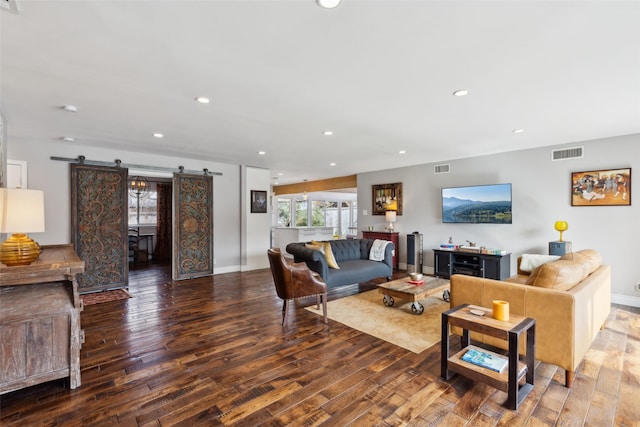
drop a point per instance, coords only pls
(295, 280)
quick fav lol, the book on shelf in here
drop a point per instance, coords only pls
(486, 359)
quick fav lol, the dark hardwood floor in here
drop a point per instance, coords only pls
(212, 351)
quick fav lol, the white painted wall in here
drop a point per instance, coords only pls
(256, 226)
(541, 195)
(53, 177)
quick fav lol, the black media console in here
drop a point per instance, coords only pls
(448, 262)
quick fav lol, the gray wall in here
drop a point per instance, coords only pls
(541, 195)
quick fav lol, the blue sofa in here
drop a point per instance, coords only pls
(352, 256)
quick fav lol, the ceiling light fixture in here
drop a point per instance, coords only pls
(203, 100)
(327, 133)
(461, 92)
(262, 153)
(518, 130)
(70, 108)
(68, 139)
(332, 164)
(158, 135)
(328, 4)
(402, 152)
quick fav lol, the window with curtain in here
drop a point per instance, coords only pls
(148, 214)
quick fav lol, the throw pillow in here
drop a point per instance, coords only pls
(561, 275)
(529, 262)
(318, 247)
(328, 254)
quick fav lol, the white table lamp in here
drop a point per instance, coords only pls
(390, 216)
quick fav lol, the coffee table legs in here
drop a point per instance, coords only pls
(416, 307)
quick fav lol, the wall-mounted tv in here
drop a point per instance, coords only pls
(478, 204)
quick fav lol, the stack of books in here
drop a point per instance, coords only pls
(486, 359)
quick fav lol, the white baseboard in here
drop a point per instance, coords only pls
(625, 300)
(223, 270)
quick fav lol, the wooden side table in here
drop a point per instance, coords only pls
(512, 330)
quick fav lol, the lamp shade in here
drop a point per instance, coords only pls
(21, 211)
(390, 216)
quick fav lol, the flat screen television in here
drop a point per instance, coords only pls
(478, 204)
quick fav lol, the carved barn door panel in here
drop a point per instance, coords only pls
(99, 226)
(192, 226)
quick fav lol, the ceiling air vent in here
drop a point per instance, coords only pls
(567, 153)
(444, 168)
(10, 6)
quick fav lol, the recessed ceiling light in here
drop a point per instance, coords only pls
(70, 108)
(328, 4)
(203, 100)
(262, 153)
(518, 130)
(280, 174)
(332, 164)
(461, 92)
(402, 152)
(158, 135)
(327, 133)
(68, 139)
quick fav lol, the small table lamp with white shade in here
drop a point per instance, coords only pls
(21, 212)
(390, 217)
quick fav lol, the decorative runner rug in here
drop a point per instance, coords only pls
(367, 313)
(106, 296)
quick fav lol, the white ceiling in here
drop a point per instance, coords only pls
(379, 74)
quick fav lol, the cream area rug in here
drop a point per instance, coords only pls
(367, 313)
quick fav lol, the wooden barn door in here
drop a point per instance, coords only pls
(192, 226)
(99, 226)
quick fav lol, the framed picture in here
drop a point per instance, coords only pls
(387, 197)
(258, 201)
(607, 187)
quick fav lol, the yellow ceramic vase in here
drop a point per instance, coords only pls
(561, 226)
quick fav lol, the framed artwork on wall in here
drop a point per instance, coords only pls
(258, 201)
(387, 197)
(606, 187)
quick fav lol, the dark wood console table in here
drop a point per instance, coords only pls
(40, 320)
(386, 235)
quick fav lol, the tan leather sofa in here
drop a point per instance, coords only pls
(568, 315)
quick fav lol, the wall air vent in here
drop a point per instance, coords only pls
(444, 168)
(10, 6)
(567, 153)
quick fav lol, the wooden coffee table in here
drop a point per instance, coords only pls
(402, 289)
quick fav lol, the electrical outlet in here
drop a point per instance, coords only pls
(638, 286)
